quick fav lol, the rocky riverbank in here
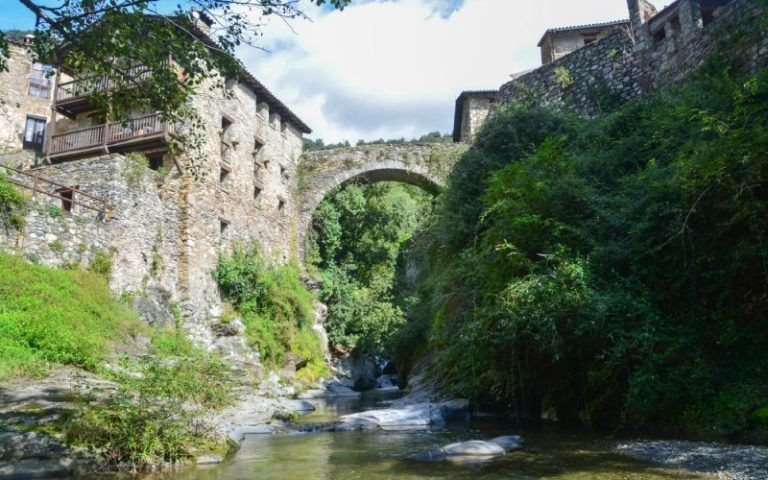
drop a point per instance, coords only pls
(728, 462)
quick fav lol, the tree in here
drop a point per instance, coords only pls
(110, 38)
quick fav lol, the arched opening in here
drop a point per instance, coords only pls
(357, 251)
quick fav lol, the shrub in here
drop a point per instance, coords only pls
(275, 306)
(12, 205)
(101, 264)
(613, 268)
(154, 416)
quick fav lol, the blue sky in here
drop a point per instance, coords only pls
(393, 68)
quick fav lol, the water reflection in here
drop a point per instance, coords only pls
(551, 454)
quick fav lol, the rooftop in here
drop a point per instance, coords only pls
(613, 23)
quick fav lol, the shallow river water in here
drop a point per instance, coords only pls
(550, 454)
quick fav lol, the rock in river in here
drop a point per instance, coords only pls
(472, 450)
(414, 416)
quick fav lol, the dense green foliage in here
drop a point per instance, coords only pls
(12, 204)
(275, 306)
(613, 269)
(359, 234)
(56, 316)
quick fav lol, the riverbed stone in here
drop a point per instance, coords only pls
(417, 416)
(473, 448)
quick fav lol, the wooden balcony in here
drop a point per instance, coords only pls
(75, 96)
(141, 133)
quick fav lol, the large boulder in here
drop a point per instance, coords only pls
(418, 416)
(472, 450)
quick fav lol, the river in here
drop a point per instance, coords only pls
(551, 454)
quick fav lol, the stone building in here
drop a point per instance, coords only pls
(25, 99)
(559, 42)
(472, 109)
(653, 51)
(163, 228)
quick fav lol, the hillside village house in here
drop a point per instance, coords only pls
(658, 32)
(164, 233)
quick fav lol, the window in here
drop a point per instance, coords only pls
(280, 204)
(223, 177)
(223, 226)
(34, 133)
(40, 80)
(155, 161)
(66, 195)
(256, 195)
(257, 145)
(675, 24)
(589, 39)
(660, 35)
(225, 124)
(225, 144)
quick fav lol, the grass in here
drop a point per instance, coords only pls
(49, 316)
(53, 316)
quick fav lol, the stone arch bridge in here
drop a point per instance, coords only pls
(319, 172)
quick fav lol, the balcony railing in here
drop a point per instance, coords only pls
(109, 134)
(83, 87)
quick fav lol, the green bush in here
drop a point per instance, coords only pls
(614, 268)
(101, 264)
(56, 316)
(359, 233)
(276, 308)
(12, 205)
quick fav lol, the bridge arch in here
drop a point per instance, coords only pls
(424, 165)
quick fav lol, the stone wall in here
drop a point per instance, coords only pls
(472, 110)
(630, 63)
(476, 110)
(15, 101)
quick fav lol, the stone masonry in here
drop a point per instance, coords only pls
(16, 102)
(472, 109)
(655, 54)
(423, 165)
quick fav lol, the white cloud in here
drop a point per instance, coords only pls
(394, 68)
